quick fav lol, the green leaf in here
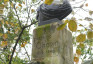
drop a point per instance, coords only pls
(61, 27)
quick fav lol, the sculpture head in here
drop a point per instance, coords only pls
(46, 12)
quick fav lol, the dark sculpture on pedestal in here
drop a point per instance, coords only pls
(47, 14)
(52, 13)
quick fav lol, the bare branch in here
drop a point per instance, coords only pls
(17, 16)
(31, 24)
(30, 8)
(36, 3)
(27, 54)
(14, 48)
(79, 2)
(81, 8)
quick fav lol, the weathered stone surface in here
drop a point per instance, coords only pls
(51, 46)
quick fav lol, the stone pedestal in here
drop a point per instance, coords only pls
(51, 46)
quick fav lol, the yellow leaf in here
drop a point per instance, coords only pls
(25, 42)
(16, 24)
(4, 43)
(11, 24)
(78, 51)
(32, 10)
(81, 45)
(16, 31)
(12, 4)
(23, 2)
(1, 34)
(22, 45)
(61, 27)
(1, 11)
(2, 21)
(90, 12)
(81, 38)
(16, 7)
(66, 21)
(72, 25)
(80, 25)
(76, 59)
(78, 30)
(20, 5)
(90, 34)
(1, 6)
(8, 31)
(73, 12)
(73, 18)
(5, 36)
(86, 29)
(0, 25)
(91, 26)
(6, 1)
(18, 28)
(48, 2)
(6, 22)
(86, 4)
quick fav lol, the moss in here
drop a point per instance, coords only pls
(47, 27)
(40, 30)
(47, 32)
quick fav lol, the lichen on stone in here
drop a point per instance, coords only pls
(40, 30)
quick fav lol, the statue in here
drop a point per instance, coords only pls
(53, 13)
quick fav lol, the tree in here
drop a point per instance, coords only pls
(17, 16)
(14, 29)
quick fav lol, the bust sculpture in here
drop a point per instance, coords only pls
(48, 13)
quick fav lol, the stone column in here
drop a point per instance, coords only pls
(51, 46)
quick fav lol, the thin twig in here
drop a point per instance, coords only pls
(28, 11)
(27, 53)
(36, 3)
(81, 8)
(79, 2)
(84, 26)
(31, 24)
(3, 60)
(17, 16)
